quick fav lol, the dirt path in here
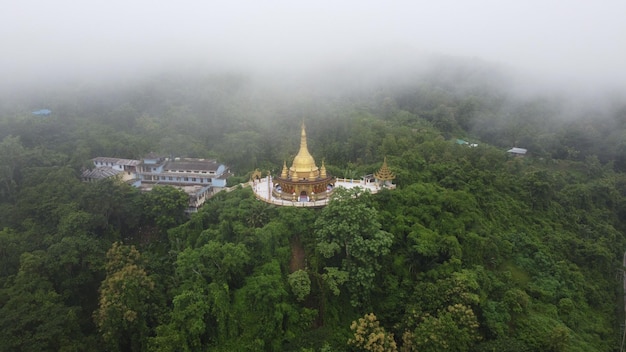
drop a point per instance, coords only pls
(297, 255)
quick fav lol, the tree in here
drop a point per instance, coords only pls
(124, 311)
(115, 204)
(264, 316)
(188, 323)
(300, 284)
(12, 155)
(539, 185)
(347, 230)
(12, 244)
(454, 328)
(370, 336)
(47, 194)
(75, 265)
(240, 149)
(258, 214)
(165, 206)
(32, 314)
(214, 262)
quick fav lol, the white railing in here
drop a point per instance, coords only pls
(372, 187)
(293, 203)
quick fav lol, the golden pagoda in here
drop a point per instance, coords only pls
(303, 181)
(384, 176)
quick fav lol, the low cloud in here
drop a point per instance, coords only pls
(64, 40)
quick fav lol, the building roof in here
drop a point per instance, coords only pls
(192, 164)
(224, 176)
(42, 112)
(100, 172)
(117, 161)
(516, 150)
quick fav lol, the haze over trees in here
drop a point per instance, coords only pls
(474, 251)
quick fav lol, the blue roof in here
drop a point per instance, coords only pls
(44, 112)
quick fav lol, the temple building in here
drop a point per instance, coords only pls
(304, 184)
(384, 176)
(303, 181)
(199, 178)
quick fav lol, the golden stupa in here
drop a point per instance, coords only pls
(384, 176)
(303, 181)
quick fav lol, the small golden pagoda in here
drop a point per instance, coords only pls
(384, 176)
(303, 181)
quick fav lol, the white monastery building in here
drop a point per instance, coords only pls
(199, 178)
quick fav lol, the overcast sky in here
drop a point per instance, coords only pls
(45, 39)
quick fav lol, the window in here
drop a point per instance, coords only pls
(170, 178)
(193, 179)
(186, 178)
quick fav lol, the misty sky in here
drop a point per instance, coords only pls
(92, 38)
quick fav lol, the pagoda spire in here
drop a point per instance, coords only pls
(303, 163)
(303, 147)
(284, 172)
(384, 174)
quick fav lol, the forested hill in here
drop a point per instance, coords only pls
(474, 251)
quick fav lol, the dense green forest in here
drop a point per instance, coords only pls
(474, 251)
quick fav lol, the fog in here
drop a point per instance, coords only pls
(580, 43)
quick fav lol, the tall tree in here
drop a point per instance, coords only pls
(124, 311)
(32, 314)
(165, 206)
(370, 336)
(12, 155)
(349, 235)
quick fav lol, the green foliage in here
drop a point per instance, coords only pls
(12, 159)
(454, 328)
(347, 230)
(12, 244)
(124, 309)
(474, 250)
(165, 206)
(241, 149)
(370, 336)
(32, 314)
(116, 208)
(213, 262)
(300, 284)
(188, 323)
(267, 320)
(334, 278)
